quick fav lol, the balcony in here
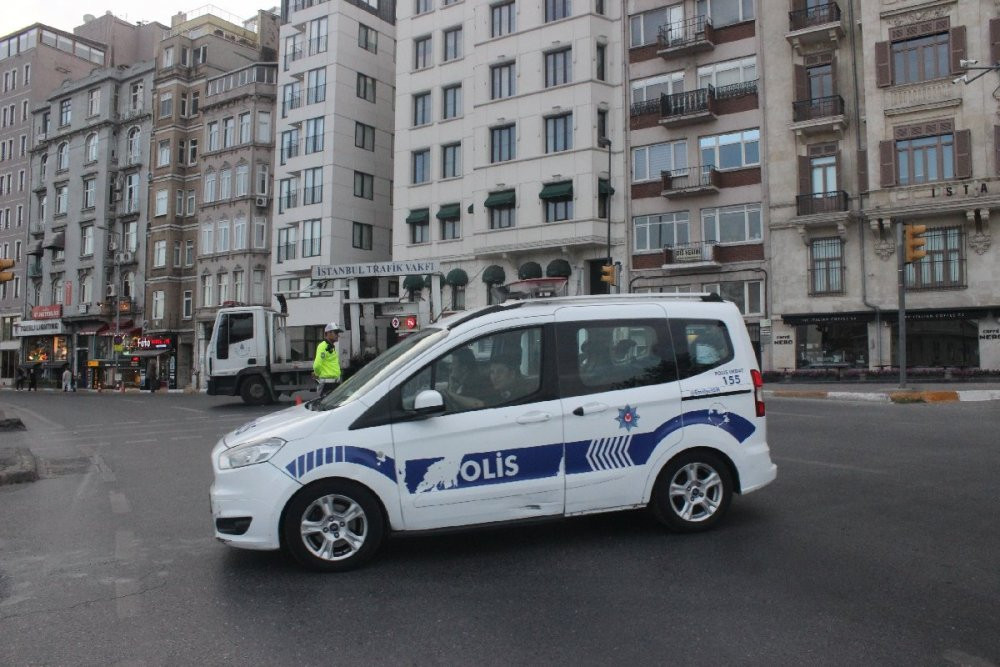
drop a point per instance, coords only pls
(690, 181)
(683, 37)
(691, 255)
(693, 106)
(818, 115)
(814, 26)
(36, 229)
(821, 202)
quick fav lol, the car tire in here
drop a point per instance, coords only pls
(254, 391)
(693, 492)
(333, 526)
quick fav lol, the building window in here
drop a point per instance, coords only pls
(222, 236)
(223, 289)
(228, 132)
(451, 101)
(361, 236)
(311, 238)
(240, 232)
(312, 191)
(421, 109)
(420, 232)
(648, 162)
(315, 129)
(502, 19)
(259, 232)
(162, 202)
(62, 199)
(920, 59)
(559, 133)
(225, 183)
(644, 28)
(452, 44)
(364, 185)
(557, 9)
(602, 62)
(422, 6)
(62, 157)
(367, 38)
(501, 206)
(926, 159)
(316, 85)
(826, 266)
(318, 36)
(823, 174)
(503, 143)
(159, 301)
(747, 296)
(258, 286)
(91, 148)
(245, 128)
(422, 53)
(65, 112)
(213, 136)
(943, 265)
(654, 232)
(89, 192)
(364, 136)
(94, 102)
(242, 181)
(286, 243)
(451, 160)
(421, 172)
(166, 105)
(732, 150)
(558, 67)
(86, 240)
(186, 308)
(731, 224)
(189, 252)
(207, 238)
(207, 291)
(238, 287)
(366, 87)
(450, 227)
(209, 194)
(557, 210)
(159, 254)
(602, 124)
(502, 82)
(264, 127)
(725, 12)
(163, 153)
(728, 72)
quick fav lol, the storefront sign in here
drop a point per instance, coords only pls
(990, 334)
(687, 254)
(783, 339)
(46, 312)
(93, 363)
(374, 269)
(39, 328)
(406, 308)
(150, 343)
(961, 190)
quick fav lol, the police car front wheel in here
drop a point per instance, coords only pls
(333, 525)
(693, 492)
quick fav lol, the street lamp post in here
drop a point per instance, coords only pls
(605, 142)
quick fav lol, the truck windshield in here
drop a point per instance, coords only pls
(377, 369)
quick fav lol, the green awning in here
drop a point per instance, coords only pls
(603, 188)
(449, 212)
(494, 275)
(457, 278)
(558, 268)
(413, 283)
(418, 215)
(529, 270)
(561, 190)
(498, 199)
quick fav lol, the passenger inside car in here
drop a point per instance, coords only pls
(508, 382)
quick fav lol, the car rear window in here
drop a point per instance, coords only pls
(701, 345)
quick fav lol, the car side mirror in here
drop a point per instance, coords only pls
(428, 402)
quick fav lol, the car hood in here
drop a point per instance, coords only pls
(290, 424)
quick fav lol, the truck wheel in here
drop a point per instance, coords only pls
(333, 525)
(255, 392)
(693, 492)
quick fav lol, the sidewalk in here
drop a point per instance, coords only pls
(916, 392)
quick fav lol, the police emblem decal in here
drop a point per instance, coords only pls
(628, 418)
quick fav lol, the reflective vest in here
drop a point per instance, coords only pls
(326, 366)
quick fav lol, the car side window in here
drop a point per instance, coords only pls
(701, 345)
(605, 355)
(492, 371)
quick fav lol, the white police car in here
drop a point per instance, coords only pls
(530, 409)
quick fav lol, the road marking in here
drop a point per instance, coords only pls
(107, 475)
(125, 545)
(827, 464)
(119, 503)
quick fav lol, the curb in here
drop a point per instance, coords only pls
(17, 465)
(900, 396)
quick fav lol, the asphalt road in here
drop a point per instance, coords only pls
(876, 545)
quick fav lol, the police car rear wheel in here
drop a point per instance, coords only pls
(693, 492)
(333, 525)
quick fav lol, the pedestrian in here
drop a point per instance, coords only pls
(326, 365)
(33, 379)
(154, 381)
(19, 385)
(67, 379)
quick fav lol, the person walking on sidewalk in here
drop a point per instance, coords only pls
(67, 379)
(19, 385)
(326, 366)
(33, 379)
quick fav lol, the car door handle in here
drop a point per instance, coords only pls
(534, 418)
(590, 409)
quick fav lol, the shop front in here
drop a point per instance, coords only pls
(942, 338)
(156, 357)
(829, 340)
(44, 345)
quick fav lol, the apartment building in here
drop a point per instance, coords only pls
(510, 145)
(200, 46)
(333, 175)
(698, 200)
(869, 126)
(234, 216)
(85, 255)
(33, 62)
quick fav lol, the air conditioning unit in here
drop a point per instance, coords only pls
(261, 202)
(124, 257)
(111, 291)
(84, 308)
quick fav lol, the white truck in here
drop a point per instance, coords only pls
(249, 356)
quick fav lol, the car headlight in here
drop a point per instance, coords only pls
(249, 453)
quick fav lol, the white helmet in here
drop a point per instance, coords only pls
(332, 326)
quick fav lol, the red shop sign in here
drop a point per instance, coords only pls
(46, 312)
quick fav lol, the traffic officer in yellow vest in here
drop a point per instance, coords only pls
(326, 366)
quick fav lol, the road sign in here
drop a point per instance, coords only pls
(395, 323)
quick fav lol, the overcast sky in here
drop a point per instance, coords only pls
(67, 14)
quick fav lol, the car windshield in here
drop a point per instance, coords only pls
(377, 369)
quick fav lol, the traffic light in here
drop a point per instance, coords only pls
(608, 274)
(5, 274)
(913, 243)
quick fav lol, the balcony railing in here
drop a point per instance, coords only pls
(292, 102)
(293, 55)
(317, 45)
(287, 201)
(827, 280)
(648, 106)
(315, 94)
(813, 16)
(690, 180)
(821, 202)
(687, 35)
(700, 101)
(816, 108)
(685, 253)
(290, 150)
